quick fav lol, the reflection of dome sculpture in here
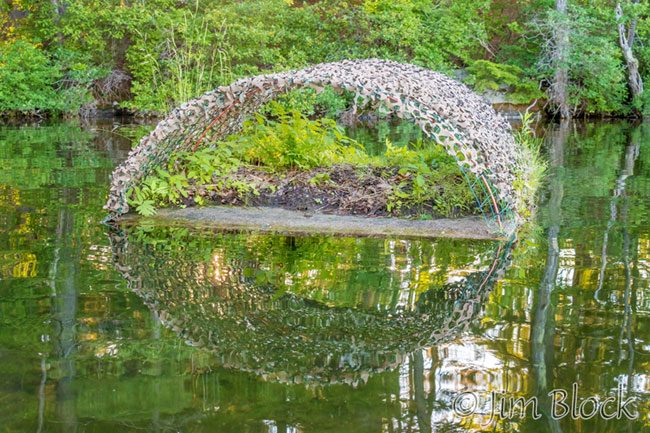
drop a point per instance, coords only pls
(286, 337)
(447, 111)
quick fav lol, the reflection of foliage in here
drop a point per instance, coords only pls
(130, 374)
(338, 271)
(588, 163)
(41, 167)
(596, 215)
(134, 132)
(37, 157)
(17, 265)
(529, 244)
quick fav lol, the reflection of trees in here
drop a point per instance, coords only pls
(422, 404)
(37, 164)
(50, 205)
(55, 233)
(629, 293)
(572, 338)
(544, 333)
(631, 154)
(64, 285)
(542, 326)
(353, 271)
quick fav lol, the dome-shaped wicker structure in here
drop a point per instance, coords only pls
(446, 110)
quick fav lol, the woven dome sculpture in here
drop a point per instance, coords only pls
(447, 111)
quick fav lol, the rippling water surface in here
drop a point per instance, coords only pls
(167, 328)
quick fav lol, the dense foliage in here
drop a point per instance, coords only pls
(421, 178)
(150, 55)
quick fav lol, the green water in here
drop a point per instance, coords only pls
(176, 330)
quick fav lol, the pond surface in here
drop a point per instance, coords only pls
(170, 329)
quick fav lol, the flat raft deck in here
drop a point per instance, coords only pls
(277, 220)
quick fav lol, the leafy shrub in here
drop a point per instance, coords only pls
(193, 60)
(28, 79)
(328, 103)
(291, 141)
(171, 185)
(432, 34)
(642, 104)
(74, 90)
(174, 51)
(485, 75)
(429, 175)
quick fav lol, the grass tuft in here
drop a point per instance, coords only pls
(531, 167)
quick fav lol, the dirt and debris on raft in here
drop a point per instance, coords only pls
(341, 189)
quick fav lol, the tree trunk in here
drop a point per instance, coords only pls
(560, 60)
(626, 41)
(59, 7)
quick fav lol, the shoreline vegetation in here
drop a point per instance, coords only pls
(568, 58)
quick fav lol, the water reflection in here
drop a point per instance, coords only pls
(571, 338)
(261, 307)
(81, 351)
